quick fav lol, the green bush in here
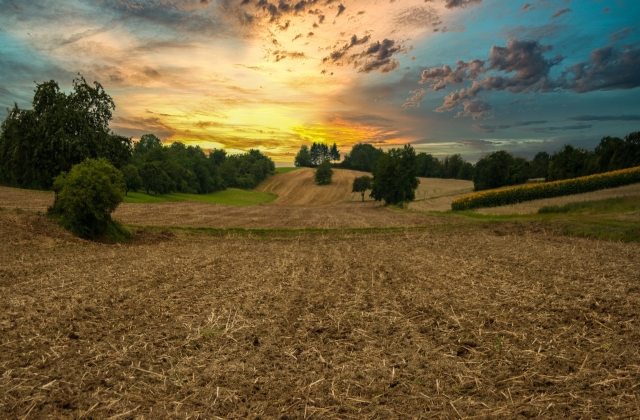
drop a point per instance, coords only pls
(530, 192)
(324, 173)
(86, 197)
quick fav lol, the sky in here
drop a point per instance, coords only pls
(448, 76)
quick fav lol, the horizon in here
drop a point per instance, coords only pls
(448, 77)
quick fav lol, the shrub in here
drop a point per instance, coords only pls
(324, 173)
(86, 197)
(547, 190)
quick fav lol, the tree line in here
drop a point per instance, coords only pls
(502, 168)
(63, 130)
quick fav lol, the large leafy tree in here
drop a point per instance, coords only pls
(303, 157)
(493, 170)
(362, 157)
(60, 131)
(394, 176)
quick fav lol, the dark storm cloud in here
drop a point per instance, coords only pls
(521, 67)
(560, 12)
(606, 118)
(607, 69)
(341, 9)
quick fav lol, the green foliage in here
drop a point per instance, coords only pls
(316, 154)
(303, 158)
(323, 173)
(571, 162)
(363, 157)
(394, 176)
(187, 169)
(87, 196)
(132, 179)
(362, 184)
(60, 131)
(547, 190)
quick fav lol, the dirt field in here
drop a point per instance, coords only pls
(435, 194)
(530, 207)
(297, 188)
(499, 322)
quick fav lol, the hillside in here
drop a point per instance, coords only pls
(297, 188)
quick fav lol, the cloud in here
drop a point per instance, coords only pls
(378, 57)
(417, 17)
(414, 101)
(560, 12)
(474, 109)
(526, 123)
(489, 128)
(341, 9)
(622, 34)
(521, 67)
(607, 69)
(452, 4)
(562, 128)
(526, 7)
(606, 118)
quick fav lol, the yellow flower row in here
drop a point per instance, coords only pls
(528, 192)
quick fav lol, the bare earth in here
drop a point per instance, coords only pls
(494, 323)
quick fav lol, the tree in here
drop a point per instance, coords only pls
(146, 143)
(87, 196)
(361, 184)
(363, 157)
(334, 153)
(132, 180)
(571, 162)
(493, 170)
(155, 179)
(394, 176)
(59, 132)
(303, 158)
(540, 165)
(323, 173)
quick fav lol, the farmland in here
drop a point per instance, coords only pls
(326, 307)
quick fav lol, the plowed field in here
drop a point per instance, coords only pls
(499, 322)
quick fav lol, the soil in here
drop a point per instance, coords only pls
(434, 323)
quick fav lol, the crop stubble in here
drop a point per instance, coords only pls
(500, 322)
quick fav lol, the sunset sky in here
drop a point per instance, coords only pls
(448, 76)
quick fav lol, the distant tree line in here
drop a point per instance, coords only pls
(363, 157)
(63, 130)
(502, 168)
(316, 154)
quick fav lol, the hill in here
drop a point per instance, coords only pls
(297, 188)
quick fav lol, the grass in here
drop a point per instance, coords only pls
(607, 206)
(287, 169)
(229, 197)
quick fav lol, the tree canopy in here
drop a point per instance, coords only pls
(316, 154)
(60, 131)
(323, 173)
(394, 176)
(361, 184)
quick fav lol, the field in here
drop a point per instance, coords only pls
(347, 311)
(533, 206)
